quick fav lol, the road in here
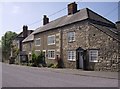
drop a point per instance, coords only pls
(21, 76)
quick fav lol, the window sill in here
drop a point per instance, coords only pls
(51, 58)
(37, 45)
(94, 61)
(72, 60)
(71, 41)
(52, 44)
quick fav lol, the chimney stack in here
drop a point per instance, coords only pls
(25, 31)
(72, 8)
(45, 20)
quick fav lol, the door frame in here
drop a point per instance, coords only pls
(45, 52)
(78, 51)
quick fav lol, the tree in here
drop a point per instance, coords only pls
(6, 44)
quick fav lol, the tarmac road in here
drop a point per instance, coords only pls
(22, 76)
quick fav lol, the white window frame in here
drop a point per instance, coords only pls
(18, 44)
(49, 37)
(36, 51)
(36, 40)
(51, 57)
(70, 37)
(70, 55)
(93, 54)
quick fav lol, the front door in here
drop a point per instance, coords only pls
(80, 58)
(81, 64)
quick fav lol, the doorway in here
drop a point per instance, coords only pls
(80, 58)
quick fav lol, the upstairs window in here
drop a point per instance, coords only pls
(18, 44)
(51, 39)
(93, 55)
(71, 55)
(30, 46)
(71, 36)
(37, 41)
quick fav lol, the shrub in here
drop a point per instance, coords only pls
(39, 60)
(50, 65)
(54, 66)
(34, 59)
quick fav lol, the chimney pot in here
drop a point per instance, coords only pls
(25, 31)
(72, 8)
(45, 20)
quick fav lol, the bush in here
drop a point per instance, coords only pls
(34, 59)
(39, 60)
(52, 65)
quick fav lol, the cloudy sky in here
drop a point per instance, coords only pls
(14, 15)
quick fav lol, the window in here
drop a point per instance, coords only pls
(93, 55)
(51, 40)
(37, 52)
(71, 55)
(51, 54)
(18, 44)
(37, 42)
(71, 36)
(30, 46)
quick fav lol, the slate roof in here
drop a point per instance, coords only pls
(30, 37)
(82, 14)
(20, 35)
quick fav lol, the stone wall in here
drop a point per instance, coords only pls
(28, 47)
(89, 37)
(81, 40)
(108, 50)
(44, 44)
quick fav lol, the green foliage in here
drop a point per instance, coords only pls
(15, 51)
(52, 65)
(6, 43)
(39, 59)
(34, 59)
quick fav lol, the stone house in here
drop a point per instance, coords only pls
(28, 45)
(83, 39)
(17, 42)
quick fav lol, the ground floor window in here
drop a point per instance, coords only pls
(51, 54)
(37, 52)
(71, 55)
(93, 55)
